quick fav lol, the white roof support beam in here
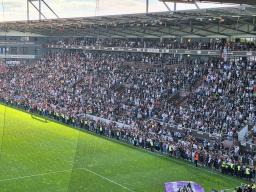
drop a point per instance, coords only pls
(197, 6)
(167, 6)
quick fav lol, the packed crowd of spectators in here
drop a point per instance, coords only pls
(166, 44)
(52, 78)
(222, 103)
(151, 59)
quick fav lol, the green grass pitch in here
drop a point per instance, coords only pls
(40, 154)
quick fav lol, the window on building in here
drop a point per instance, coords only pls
(3, 38)
(13, 39)
(24, 50)
(37, 51)
(14, 50)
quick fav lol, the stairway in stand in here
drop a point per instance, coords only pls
(196, 85)
(120, 89)
(182, 103)
(2, 82)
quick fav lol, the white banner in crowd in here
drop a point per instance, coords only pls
(107, 121)
(13, 62)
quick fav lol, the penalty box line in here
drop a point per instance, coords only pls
(109, 180)
(28, 176)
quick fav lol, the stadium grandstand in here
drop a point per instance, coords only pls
(155, 101)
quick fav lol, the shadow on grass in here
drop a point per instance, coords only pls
(43, 120)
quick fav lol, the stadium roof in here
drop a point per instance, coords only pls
(221, 22)
(247, 2)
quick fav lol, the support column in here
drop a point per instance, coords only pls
(167, 6)
(28, 10)
(181, 39)
(197, 6)
(147, 6)
(40, 10)
(175, 5)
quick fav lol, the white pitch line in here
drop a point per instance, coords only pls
(109, 180)
(28, 176)
(37, 175)
(174, 160)
(230, 188)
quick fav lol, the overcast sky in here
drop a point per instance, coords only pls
(13, 10)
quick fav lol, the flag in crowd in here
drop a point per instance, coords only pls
(183, 186)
